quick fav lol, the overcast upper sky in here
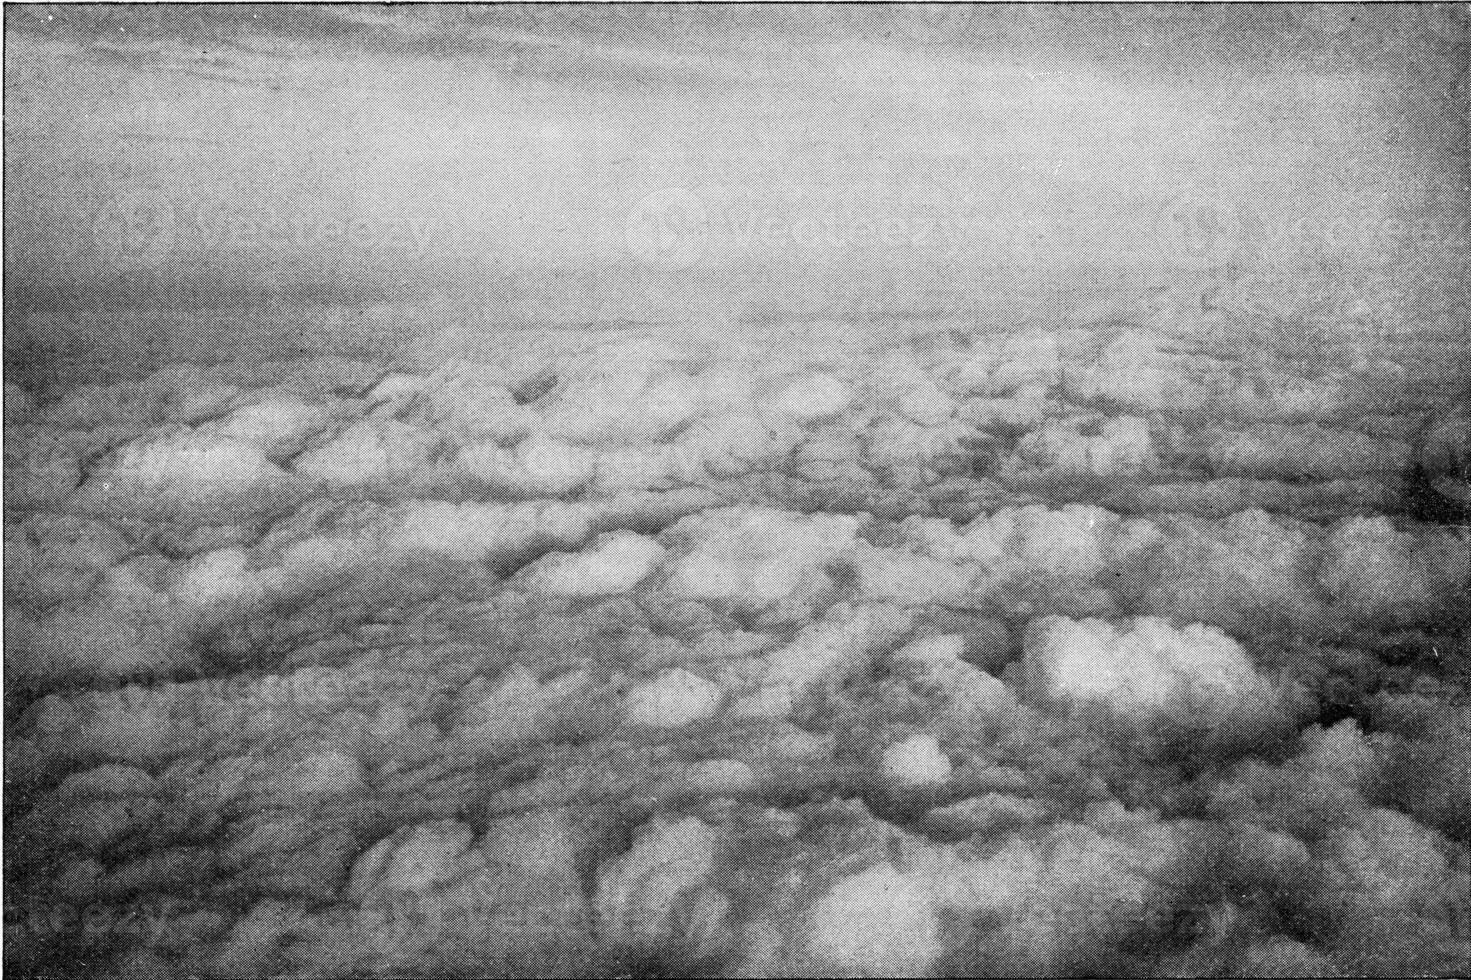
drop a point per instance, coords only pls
(524, 155)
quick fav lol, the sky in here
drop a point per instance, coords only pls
(582, 164)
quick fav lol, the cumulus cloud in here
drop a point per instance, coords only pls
(278, 425)
(966, 652)
(613, 564)
(378, 450)
(876, 923)
(754, 557)
(537, 466)
(1246, 573)
(1102, 448)
(916, 761)
(1145, 670)
(1379, 573)
(653, 896)
(674, 698)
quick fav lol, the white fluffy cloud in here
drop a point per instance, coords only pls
(876, 923)
(672, 699)
(187, 462)
(916, 761)
(601, 651)
(1378, 572)
(537, 466)
(1147, 668)
(1103, 448)
(370, 451)
(653, 896)
(613, 564)
(753, 557)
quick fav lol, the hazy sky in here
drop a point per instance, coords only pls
(566, 161)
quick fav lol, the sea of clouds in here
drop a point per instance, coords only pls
(1122, 647)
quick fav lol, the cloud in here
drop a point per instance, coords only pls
(1107, 640)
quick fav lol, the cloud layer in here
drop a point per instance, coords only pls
(1017, 652)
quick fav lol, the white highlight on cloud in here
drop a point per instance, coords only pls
(751, 557)
(1143, 669)
(673, 699)
(811, 397)
(611, 565)
(187, 462)
(916, 761)
(216, 576)
(277, 425)
(412, 859)
(845, 638)
(474, 531)
(877, 923)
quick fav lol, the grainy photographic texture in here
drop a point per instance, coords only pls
(746, 490)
